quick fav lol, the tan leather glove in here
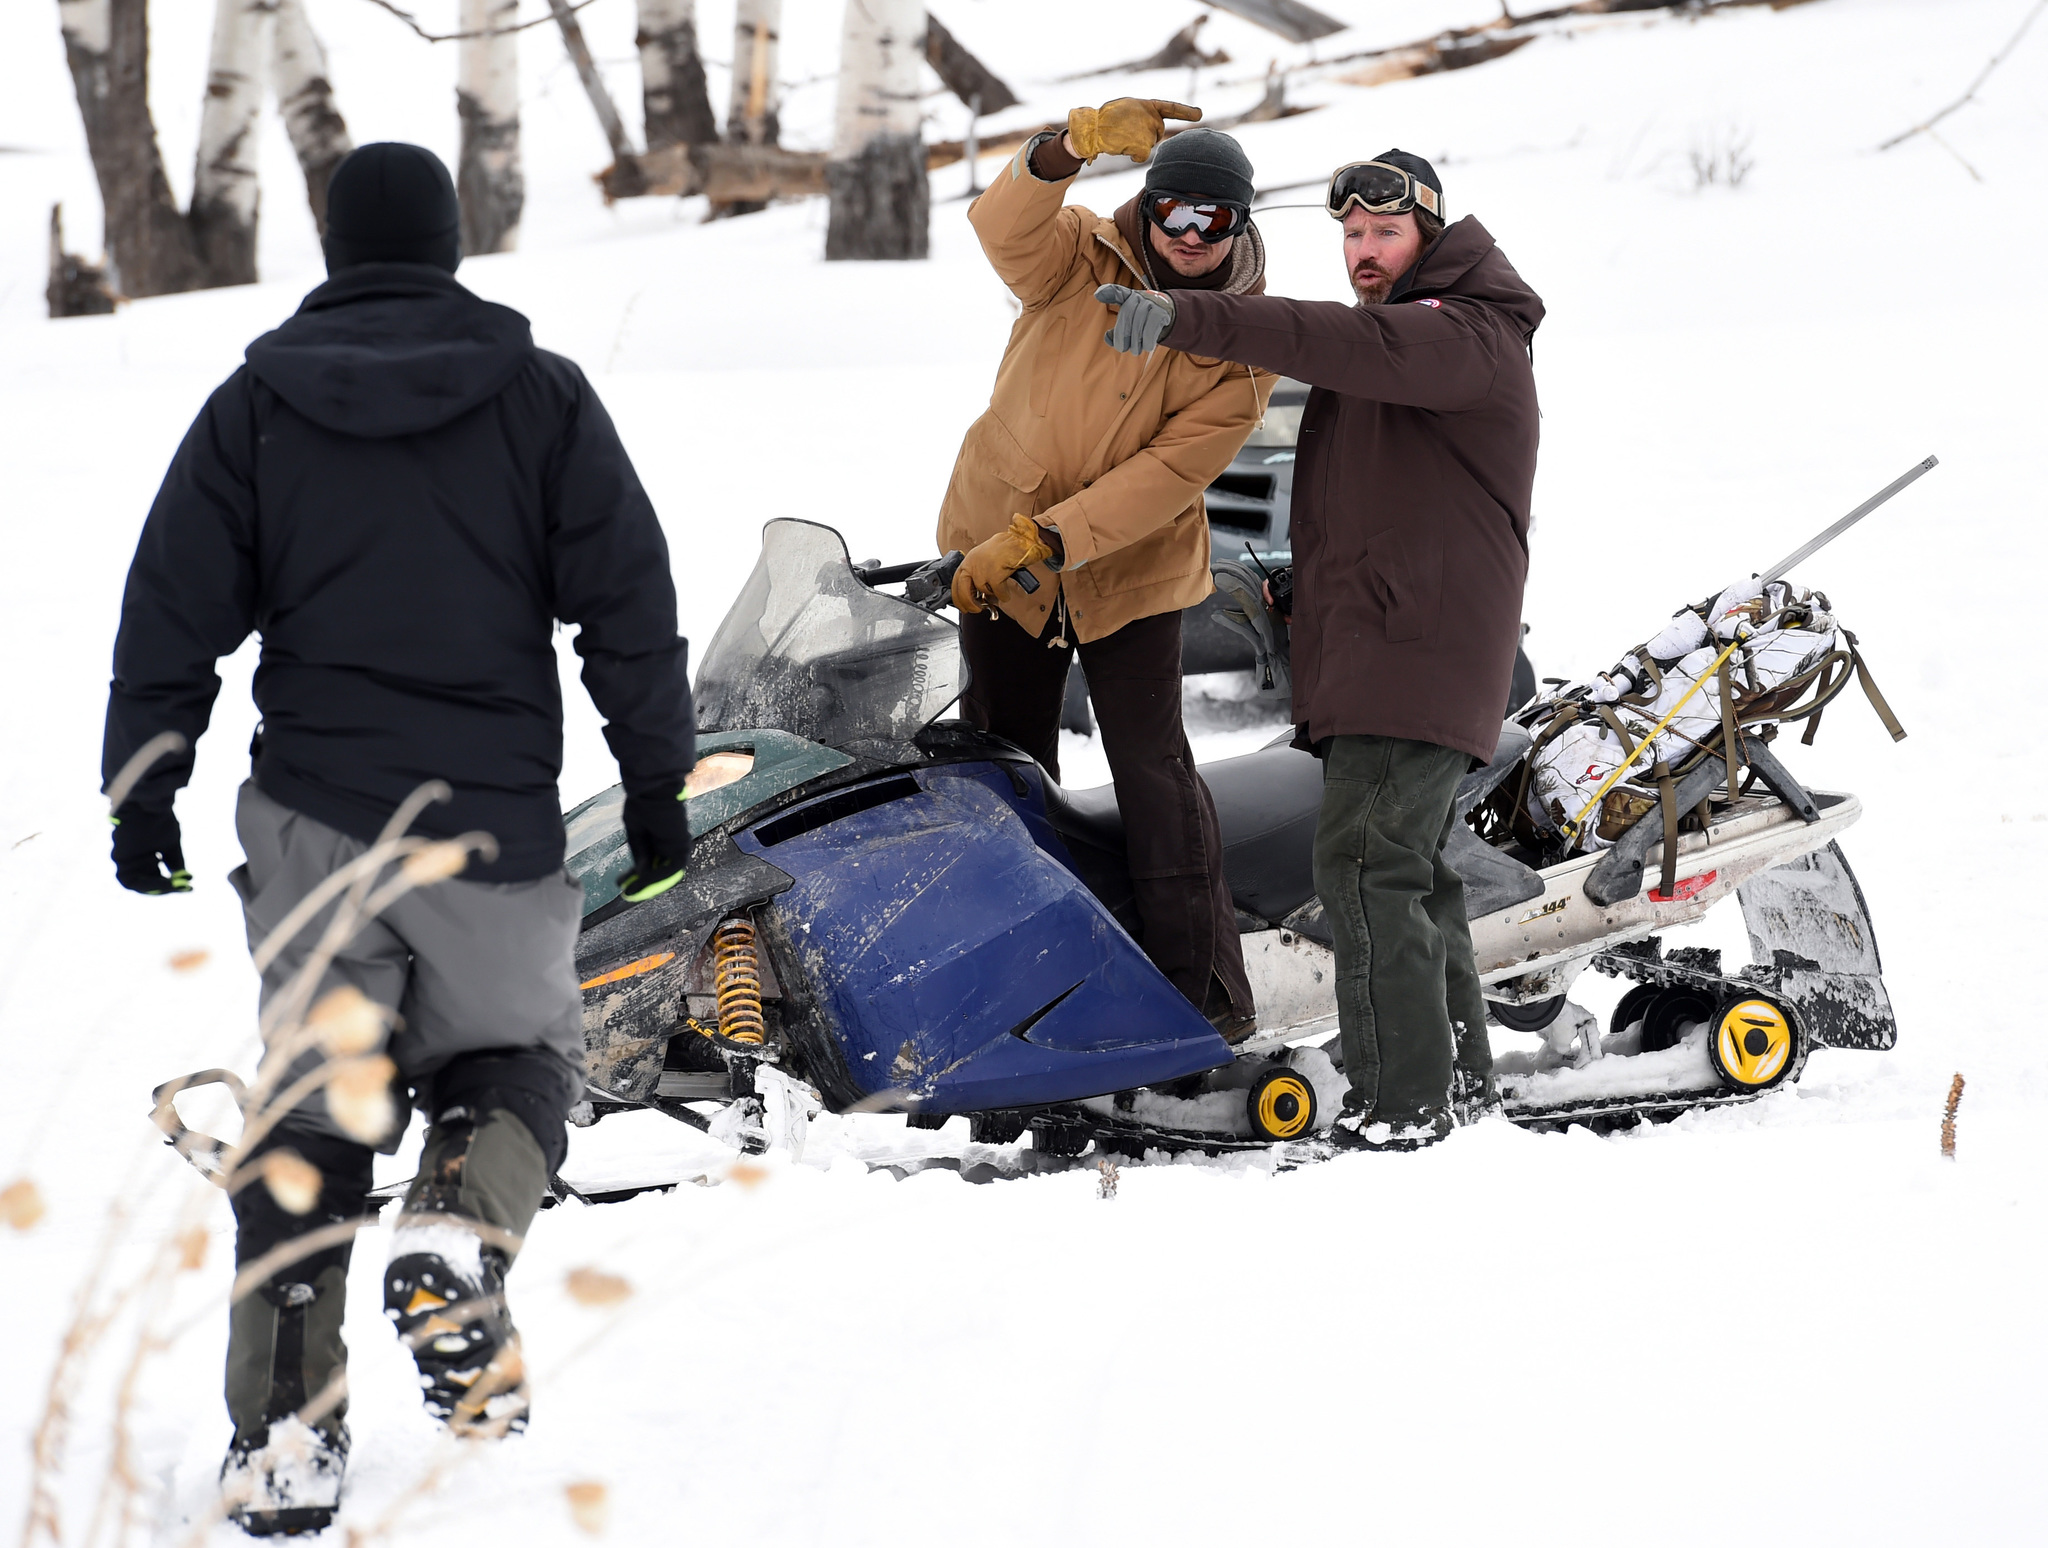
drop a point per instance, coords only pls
(994, 560)
(1129, 126)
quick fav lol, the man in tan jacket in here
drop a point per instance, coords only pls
(1087, 471)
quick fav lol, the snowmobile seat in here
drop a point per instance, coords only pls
(1266, 805)
(1508, 754)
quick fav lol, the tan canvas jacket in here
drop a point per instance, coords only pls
(1112, 449)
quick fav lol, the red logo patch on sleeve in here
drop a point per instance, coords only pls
(1429, 303)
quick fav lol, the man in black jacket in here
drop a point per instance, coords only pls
(402, 495)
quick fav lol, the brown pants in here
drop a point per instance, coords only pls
(1171, 839)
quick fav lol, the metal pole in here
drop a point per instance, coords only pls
(1814, 545)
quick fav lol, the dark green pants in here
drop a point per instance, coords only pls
(1405, 978)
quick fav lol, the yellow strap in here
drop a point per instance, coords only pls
(1730, 738)
(1577, 825)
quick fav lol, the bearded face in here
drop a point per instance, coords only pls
(1378, 250)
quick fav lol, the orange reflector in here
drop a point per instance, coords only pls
(631, 969)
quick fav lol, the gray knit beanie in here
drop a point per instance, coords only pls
(1201, 163)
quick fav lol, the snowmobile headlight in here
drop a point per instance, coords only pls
(715, 769)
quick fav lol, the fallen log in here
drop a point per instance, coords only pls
(1402, 64)
(723, 173)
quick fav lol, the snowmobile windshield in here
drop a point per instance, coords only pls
(810, 649)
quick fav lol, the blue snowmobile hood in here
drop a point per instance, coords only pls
(389, 349)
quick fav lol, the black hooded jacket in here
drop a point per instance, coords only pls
(401, 494)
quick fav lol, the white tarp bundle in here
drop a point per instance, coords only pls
(1784, 631)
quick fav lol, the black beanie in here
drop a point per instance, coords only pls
(1418, 169)
(392, 203)
(1201, 163)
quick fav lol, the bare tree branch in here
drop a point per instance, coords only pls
(1997, 59)
(413, 22)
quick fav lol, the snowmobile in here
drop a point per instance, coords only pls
(890, 911)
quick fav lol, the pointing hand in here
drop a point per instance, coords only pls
(1143, 318)
(1129, 126)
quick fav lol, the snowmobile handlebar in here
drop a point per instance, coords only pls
(928, 583)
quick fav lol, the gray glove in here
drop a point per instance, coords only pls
(1143, 318)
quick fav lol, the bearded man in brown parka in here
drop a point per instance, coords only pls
(1087, 471)
(1410, 530)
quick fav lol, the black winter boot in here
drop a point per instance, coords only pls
(286, 1478)
(480, 1183)
(287, 1364)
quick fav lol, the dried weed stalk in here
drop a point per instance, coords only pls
(1105, 1187)
(1720, 159)
(1948, 1117)
(341, 1032)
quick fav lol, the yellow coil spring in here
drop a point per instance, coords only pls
(738, 979)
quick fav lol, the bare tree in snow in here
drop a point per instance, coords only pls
(674, 99)
(488, 179)
(226, 189)
(76, 288)
(755, 116)
(149, 245)
(306, 100)
(593, 80)
(881, 201)
(153, 247)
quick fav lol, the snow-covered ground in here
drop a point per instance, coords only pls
(1791, 1322)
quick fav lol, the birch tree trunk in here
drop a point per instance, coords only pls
(298, 73)
(488, 179)
(149, 245)
(226, 190)
(76, 288)
(881, 200)
(593, 80)
(673, 97)
(755, 116)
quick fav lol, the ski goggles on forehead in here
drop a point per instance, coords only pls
(1379, 188)
(1210, 219)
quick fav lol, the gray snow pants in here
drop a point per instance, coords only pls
(470, 967)
(1408, 998)
(483, 976)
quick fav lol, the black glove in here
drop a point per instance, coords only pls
(1143, 318)
(658, 834)
(148, 856)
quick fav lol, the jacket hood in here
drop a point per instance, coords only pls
(1465, 262)
(387, 349)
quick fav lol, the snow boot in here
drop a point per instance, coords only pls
(480, 1183)
(1472, 1098)
(286, 1478)
(1231, 1024)
(444, 1290)
(1356, 1131)
(283, 1473)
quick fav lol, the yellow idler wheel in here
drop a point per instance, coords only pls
(1754, 1044)
(1283, 1105)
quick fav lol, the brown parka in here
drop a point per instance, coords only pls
(1411, 489)
(1113, 450)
